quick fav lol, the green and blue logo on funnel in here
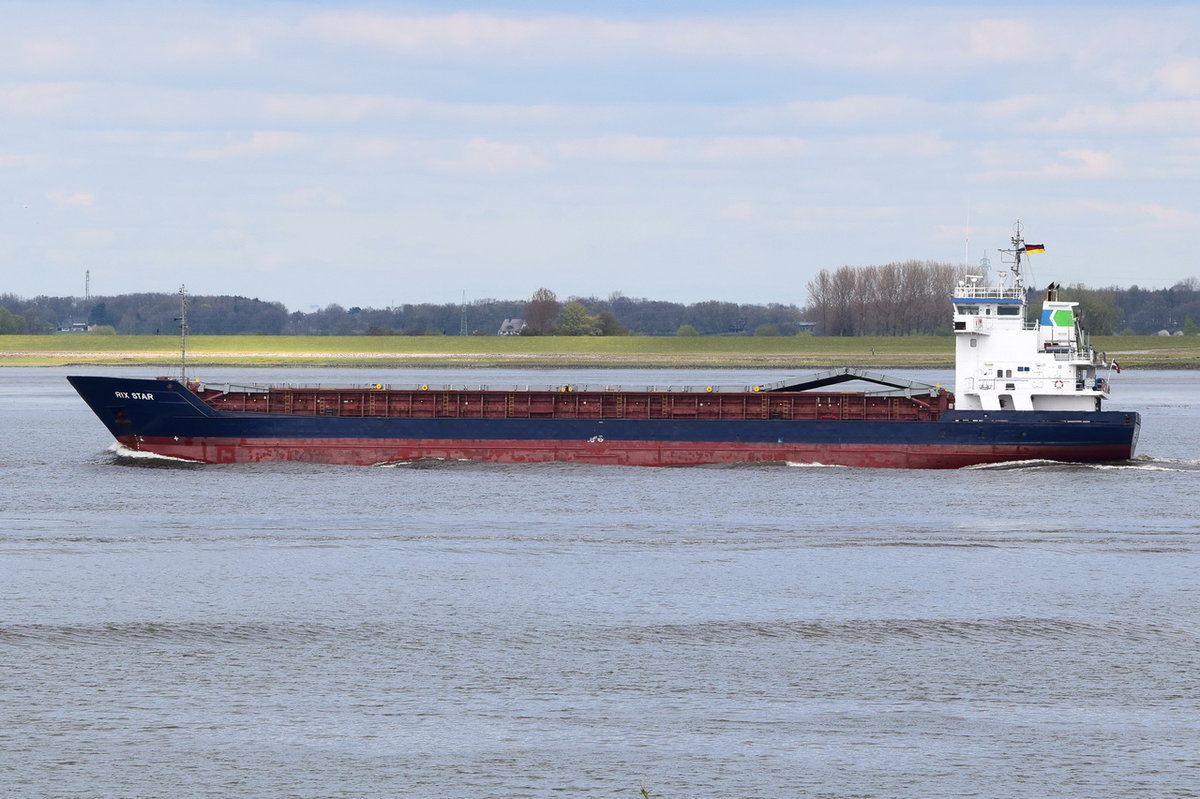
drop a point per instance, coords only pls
(1061, 317)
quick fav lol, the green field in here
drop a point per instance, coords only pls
(544, 351)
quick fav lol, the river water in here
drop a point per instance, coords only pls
(481, 630)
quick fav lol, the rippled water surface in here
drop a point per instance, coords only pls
(477, 630)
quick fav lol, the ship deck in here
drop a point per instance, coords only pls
(795, 399)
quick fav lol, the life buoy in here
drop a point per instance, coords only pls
(1058, 384)
(709, 389)
(424, 388)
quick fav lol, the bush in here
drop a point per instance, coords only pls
(686, 330)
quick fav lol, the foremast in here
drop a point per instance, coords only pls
(1005, 361)
(183, 334)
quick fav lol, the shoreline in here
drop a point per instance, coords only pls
(473, 360)
(633, 352)
(410, 360)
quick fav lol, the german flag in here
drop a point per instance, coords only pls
(1035, 248)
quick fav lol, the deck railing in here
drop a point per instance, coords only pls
(970, 292)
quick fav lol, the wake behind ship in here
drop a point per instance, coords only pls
(1024, 390)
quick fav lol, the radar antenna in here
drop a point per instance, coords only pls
(1014, 261)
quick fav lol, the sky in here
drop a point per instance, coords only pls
(380, 153)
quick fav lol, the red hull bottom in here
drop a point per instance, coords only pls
(366, 452)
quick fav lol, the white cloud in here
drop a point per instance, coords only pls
(1170, 217)
(1083, 164)
(76, 199)
(219, 46)
(1166, 116)
(1016, 108)
(40, 52)
(1123, 48)
(335, 107)
(94, 237)
(349, 108)
(905, 39)
(1180, 77)
(16, 159)
(38, 98)
(312, 197)
(619, 148)
(754, 148)
(432, 34)
(739, 210)
(667, 149)
(1001, 40)
(491, 157)
(1011, 162)
(955, 233)
(1124, 215)
(374, 149)
(901, 38)
(854, 110)
(840, 217)
(263, 142)
(910, 146)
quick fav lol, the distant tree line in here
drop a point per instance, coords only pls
(890, 300)
(893, 299)
(142, 314)
(621, 315)
(911, 297)
(1137, 311)
(150, 314)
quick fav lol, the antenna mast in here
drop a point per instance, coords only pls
(1018, 250)
(183, 334)
(967, 239)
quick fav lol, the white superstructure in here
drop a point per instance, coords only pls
(1003, 361)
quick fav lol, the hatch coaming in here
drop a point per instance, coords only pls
(888, 403)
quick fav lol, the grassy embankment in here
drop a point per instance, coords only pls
(551, 351)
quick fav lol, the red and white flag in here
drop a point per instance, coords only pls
(1115, 365)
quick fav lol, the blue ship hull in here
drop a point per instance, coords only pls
(165, 417)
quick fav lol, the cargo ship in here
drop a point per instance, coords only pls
(1025, 389)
